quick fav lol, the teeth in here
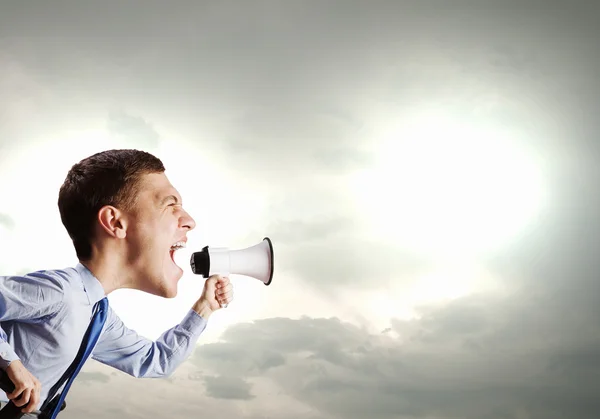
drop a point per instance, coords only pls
(178, 245)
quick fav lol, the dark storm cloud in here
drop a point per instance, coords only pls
(477, 358)
(228, 387)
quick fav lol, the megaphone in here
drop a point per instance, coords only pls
(255, 261)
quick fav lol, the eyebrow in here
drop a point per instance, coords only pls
(168, 198)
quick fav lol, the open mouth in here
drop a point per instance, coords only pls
(175, 247)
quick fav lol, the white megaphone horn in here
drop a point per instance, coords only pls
(255, 261)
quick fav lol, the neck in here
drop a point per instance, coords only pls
(109, 271)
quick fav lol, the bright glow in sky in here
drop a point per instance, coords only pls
(447, 187)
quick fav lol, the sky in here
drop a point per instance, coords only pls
(425, 170)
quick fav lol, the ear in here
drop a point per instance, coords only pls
(112, 222)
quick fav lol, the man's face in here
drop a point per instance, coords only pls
(157, 223)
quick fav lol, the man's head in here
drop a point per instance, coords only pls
(118, 205)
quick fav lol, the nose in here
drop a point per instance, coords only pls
(186, 221)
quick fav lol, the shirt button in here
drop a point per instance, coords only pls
(3, 354)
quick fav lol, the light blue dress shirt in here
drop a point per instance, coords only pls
(44, 315)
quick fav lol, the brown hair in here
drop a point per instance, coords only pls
(107, 178)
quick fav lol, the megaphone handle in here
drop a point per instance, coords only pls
(225, 274)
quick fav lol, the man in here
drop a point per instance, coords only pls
(126, 222)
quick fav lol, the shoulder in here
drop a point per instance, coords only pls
(51, 284)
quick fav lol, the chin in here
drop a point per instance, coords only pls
(171, 282)
(167, 288)
(170, 293)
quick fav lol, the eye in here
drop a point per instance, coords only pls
(175, 206)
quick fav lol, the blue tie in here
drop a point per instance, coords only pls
(89, 341)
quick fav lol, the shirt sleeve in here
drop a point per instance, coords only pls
(124, 349)
(27, 297)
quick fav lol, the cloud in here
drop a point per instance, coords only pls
(132, 131)
(291, 99)
(525, 354)
(228, 387)
(349, 260)
(321, 235)
(187, 393)
(281, 138)
(532, 352)
(475, 358)
(89, 377)
(23, 95)
(6, 221)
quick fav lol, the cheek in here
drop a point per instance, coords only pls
(144, 238)
(152, 233)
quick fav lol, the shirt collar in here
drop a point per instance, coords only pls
(93, 288)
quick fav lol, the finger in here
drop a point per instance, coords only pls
(15, 393)
(33, 402)
(226, 299)
(23, 399)
(226, 289)
(226, 296)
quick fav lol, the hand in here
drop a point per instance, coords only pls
(27, 387)
(217, 290)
